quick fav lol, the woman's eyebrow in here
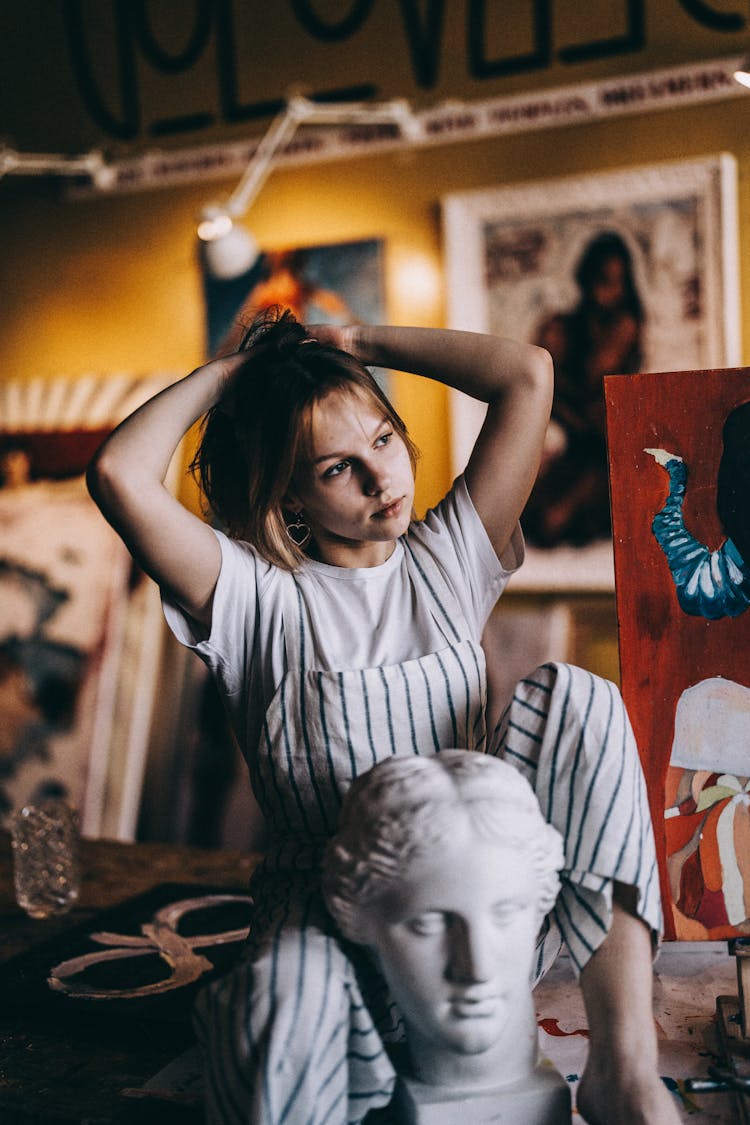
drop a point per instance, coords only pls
(385, 420)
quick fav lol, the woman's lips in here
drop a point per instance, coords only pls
(390, 511)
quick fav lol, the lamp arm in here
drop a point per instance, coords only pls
(298, 111)
(281, 130)
(23, 163)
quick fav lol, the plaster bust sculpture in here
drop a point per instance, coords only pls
(444, 868)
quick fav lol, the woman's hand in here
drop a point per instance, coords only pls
(342, 336)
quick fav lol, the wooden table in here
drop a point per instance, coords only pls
(62, 1072)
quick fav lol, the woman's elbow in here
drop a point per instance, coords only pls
(107, 480)
(540, 373)
(543, 365)
(97, 473)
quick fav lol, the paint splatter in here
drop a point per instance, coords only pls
(552, 1027)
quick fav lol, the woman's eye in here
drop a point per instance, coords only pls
(336, 470)
(383, 439)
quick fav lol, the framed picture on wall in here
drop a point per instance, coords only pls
(80, 626)
(333, 283)
(614, 273)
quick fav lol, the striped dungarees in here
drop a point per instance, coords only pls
(297, 1032)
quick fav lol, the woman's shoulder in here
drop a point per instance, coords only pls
(452, 530)
(241, 561)
(454, 505)
(454, 526)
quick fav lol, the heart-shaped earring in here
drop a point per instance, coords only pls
(298, 531)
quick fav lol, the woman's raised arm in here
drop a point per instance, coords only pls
(514, 379)
(126, 480)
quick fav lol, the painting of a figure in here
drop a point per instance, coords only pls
(60, 572)
(601, 335)
(337, 283)
(613, 274)
(679, 448)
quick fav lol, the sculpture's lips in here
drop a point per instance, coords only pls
(474, 1006)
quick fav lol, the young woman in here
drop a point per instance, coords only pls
(341, 631)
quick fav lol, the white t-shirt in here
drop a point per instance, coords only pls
(357, 618)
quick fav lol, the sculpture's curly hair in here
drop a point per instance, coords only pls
(403, 808)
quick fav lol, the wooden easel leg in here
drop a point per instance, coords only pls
(733, 1026)
(740, 950)
(732, 1073)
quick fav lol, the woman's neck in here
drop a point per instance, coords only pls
(349, 555)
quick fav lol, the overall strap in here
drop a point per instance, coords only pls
(295, 646)
(444, 604)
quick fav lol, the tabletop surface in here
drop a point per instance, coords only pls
(57, 1071)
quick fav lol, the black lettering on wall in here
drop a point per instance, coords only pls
(424, 38)
(634, 38)
(332, 32)
(161, 60)
(232, 109)
(153, 51)
(115, 105)
(226, 72)
(709, 17)
(124, 122)
(482, 67)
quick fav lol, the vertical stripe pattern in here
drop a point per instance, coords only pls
(568, 732)
(352, 718)
(296, 1032)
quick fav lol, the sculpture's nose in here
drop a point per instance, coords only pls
(472, 952)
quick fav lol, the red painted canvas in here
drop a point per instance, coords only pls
(679, 456)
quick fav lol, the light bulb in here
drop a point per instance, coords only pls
(228, 250)
(743, 76)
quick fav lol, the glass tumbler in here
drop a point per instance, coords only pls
(46, 867)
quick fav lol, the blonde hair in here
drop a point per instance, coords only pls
(252, 441)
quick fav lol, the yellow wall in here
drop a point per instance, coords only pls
(112, 284)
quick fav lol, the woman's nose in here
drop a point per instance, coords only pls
(376, 481)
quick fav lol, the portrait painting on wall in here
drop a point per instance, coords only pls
(614, 273)
(679, 450)
(80, 632)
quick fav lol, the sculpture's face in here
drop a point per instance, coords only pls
(455, 941)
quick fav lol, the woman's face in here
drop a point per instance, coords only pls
(357, 488)
(608, 289)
